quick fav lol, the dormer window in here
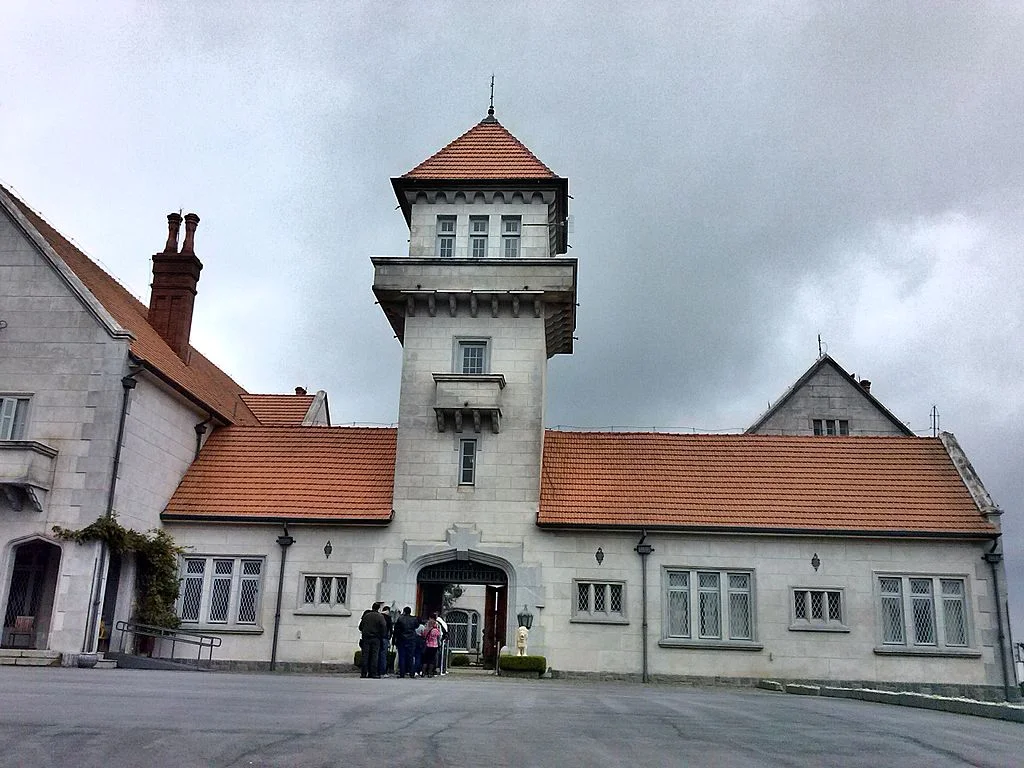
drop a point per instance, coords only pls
(445, 237)
(831, 427)
(511, 227)
(13, 411)
(478, 236)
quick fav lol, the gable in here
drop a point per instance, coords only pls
(826, 392)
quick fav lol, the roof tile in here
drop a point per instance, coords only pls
(485, 151)
(863, 484)
(279, 410)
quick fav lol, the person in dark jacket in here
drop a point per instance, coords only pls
(385, 645)
(405, 641)
(372, 626)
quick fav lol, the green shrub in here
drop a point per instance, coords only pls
(459, 660)
(536, 664)
(358, 658)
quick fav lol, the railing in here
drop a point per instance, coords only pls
(174, 635)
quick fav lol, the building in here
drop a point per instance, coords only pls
(826, 543)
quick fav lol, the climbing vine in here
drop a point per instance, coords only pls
(156, 560)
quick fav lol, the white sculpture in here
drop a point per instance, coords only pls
(522, 635)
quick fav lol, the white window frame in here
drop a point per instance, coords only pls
(241, 577)
(597, 607)
(335, 586)
(469, 452)
(478, 237)
(828, 598)
(445, 247)
(830, 427)
(694, 592)
(464, 343)
(13, 416)
(511, 236)
(940, 601)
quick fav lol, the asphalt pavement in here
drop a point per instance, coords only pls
(116, 718)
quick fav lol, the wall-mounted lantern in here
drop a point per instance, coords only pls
(815, 562)
(328, 549)
(525, 618)
(599, 555)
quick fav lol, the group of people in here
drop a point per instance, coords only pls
(419, 643)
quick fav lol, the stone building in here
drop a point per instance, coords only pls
(826, 543)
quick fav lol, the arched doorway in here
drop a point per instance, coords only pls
(437, 584)
(29, 602)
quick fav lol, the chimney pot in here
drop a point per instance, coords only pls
(300, 390)
(191, 222)
(865, 385)
(173, 226)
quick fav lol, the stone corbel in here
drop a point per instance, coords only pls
(515, 306)
(410, 306)
(473, 304)
(476, 420)
(453, 305)
(440, 420)
(537, 307)
(458, 421)
(494, 305)
(432, 305)
(495, 422)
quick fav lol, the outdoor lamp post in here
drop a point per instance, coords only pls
(525, 618)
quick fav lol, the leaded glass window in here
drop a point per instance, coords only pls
(599, 601)
(924, 611)
(721, 604)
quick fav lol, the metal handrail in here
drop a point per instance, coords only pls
(174, 635)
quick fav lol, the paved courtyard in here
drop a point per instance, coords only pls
(82, 718)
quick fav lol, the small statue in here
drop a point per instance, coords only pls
(522, 635)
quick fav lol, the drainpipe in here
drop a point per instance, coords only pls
(96, 592)
(284, 542)
(643, 550)
(994, 559)
(200, 431)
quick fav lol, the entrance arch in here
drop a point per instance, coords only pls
(29, 603)
(439, 585)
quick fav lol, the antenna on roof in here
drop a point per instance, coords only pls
(819, 345)
(490, 109)
(935, 421)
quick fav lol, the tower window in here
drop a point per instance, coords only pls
(445, 237)
(478, 236)
(471, 357)
(467, 462)
(12, 417)
(511, 226)
(831, 427)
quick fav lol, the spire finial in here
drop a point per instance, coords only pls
(490, 109)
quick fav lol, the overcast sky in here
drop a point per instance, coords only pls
(745, 176)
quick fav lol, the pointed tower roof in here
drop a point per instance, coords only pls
(485, 151)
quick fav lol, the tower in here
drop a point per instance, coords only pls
(484, 298)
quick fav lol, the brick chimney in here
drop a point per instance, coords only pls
(175, 276)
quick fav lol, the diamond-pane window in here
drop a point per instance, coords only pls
(709, 605)
(309, 591)
(220, 595)
(800, 604)
(924, 611)
(326, 588)
(582, 597)
(721, 604)
(934, 607)
(247, 600)
(818, 605)
(616, 598)
(221, 590)
(342, 593)
(818, 609)
(599, 591)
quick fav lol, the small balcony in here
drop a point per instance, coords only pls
(468, 399)
(26, 472)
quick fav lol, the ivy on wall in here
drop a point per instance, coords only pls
(156, 566)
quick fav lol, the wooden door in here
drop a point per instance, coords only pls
(495, 612)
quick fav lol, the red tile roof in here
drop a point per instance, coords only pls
(289, 474)
(745, 482)
(279, 410)
(485, 151)
(201, 379)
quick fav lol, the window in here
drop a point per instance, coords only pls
(445, 237)
(923, 612)
(467, 462)
(599, 601)
(324, 594)
(708, 607)
(478, 236)
(818, 609)
(471, 356)
(13, 411)
(831, 427)
(510, 228)
(221, 590)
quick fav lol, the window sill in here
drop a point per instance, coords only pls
(619, 620)
(221, 629)
(322, 612)
(903, 650)
(818, 628)
(710, 645)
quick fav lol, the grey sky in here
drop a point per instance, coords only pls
(745, 176)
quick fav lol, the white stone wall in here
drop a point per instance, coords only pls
(828, 395)
(534, 241)
(57, 352)
(778, 565)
